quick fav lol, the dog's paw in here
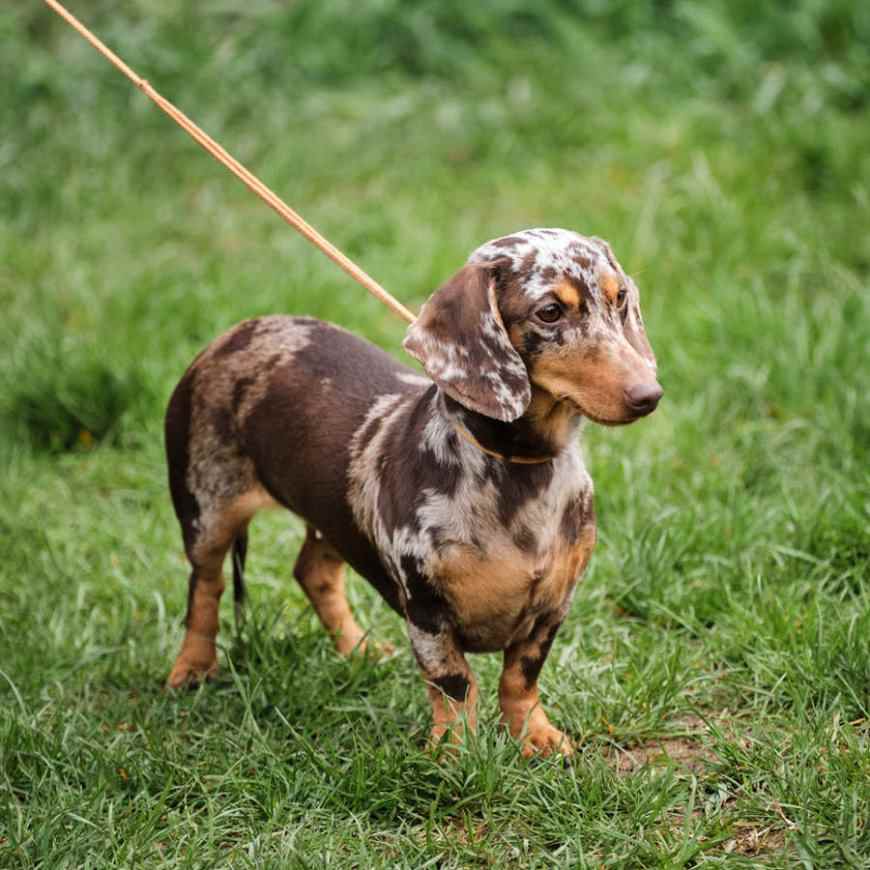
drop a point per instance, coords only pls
(544, 740)
(188, 673)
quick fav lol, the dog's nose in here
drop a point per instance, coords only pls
(643, 398)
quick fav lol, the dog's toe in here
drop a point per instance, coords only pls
(188, 675)
(545, 740)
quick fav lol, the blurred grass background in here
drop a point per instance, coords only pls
(721, 147)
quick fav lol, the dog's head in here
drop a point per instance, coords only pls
(543, 308)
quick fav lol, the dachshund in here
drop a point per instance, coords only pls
(462, 497)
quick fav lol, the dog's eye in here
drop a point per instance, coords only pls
(550, 313)
(621, 297)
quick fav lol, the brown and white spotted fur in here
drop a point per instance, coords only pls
(463, 499)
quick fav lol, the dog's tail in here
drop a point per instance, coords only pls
(240, 551)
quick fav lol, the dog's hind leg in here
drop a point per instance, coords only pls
(320, 571)
(197, 660)
(207, 539)
(215, 492)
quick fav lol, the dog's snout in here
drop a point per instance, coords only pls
(643, 398)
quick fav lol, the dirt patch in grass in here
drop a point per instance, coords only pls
(752, 839)
(689, 754)
(686, 748)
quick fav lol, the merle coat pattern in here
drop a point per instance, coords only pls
(461, 496)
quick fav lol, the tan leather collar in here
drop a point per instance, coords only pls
(520, 460)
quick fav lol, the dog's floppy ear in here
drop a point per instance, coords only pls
(461, 340)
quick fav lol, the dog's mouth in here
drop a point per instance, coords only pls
(602, 421)
(597, 418)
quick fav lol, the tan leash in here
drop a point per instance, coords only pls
(249, 179)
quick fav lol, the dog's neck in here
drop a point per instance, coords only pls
(542, 433)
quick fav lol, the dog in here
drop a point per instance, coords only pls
(462, 497)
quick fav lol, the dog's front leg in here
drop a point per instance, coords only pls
(450, 683)
(518, 692)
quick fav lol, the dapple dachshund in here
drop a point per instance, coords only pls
(461, 496)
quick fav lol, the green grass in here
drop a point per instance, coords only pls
(715, 668)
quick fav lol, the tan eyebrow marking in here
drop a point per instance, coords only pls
(609, 285)
(568, 295)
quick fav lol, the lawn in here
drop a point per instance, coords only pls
(715, 668)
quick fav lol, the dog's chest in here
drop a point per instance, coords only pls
(496, 602)
(500, 544)
(500, 566)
